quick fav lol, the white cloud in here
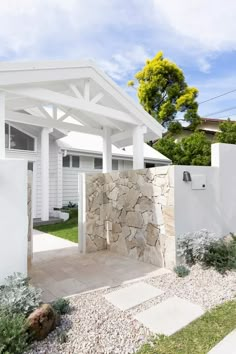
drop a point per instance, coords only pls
(204, 65)
(123, 64)
(209, 24)
(115, 33)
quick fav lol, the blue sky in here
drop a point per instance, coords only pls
(199, 35)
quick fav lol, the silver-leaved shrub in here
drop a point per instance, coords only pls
(18, 296)
(191, 246)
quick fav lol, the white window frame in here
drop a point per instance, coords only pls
(22, 131)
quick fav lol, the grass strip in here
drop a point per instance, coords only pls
(199, 336)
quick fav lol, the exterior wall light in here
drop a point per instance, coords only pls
(187, 176)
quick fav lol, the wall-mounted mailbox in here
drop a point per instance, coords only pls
(198, 181)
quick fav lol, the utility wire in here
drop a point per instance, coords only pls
(218, 112)
(215, 97)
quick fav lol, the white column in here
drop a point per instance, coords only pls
(2, 126)
(107, 153)
(138, 153)
(45, 174)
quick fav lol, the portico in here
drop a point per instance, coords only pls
(72, 96)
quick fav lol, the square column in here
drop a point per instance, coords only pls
(107, 153)
(138, 153)
(2, 126)
(45, 173)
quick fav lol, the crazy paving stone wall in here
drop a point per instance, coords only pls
(132, 213)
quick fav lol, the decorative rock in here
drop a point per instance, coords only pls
(42, 321)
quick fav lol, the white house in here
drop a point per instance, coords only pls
(66, 118)
(68, 155)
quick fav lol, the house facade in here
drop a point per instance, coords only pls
(69, 155)
(42, 103)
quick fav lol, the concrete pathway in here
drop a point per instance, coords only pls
(226, 346)
(45, 242)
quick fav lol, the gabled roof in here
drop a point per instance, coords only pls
(92, 145)
(93, 99)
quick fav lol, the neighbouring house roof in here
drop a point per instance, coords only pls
(93, 145)
(80, 89)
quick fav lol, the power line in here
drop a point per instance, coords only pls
(215, 97)
(218, 112)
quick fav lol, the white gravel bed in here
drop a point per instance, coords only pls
(205, 287)
(95, 326)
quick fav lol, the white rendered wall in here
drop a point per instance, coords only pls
(213, 208)
(224, 158)
(197, 209)
(13, 217)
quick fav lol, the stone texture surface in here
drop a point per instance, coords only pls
(132, 213)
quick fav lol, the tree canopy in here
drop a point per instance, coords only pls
(227, 132)
(194, 149)
(163, 92)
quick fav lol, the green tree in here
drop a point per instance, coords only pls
(163, 92)
(227, 132)
(194, 149)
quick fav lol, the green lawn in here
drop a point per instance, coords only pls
(198, 337)
(67, 229)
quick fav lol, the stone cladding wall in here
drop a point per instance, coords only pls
(132, 213)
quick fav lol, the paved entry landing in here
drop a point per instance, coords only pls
(63, 271)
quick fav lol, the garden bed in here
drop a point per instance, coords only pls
(95, 326)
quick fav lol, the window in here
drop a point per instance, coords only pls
(20, 140)
(17, 140)
(115, 164)
(75, 161)
(149, 165)
(97, 163)
(66, 161)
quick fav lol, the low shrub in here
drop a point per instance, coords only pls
(192, 246)
(181, 271)
(13, 333)
(18, 296)
(221, 255)
(61, 306)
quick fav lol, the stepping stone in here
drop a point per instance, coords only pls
(132, 295)
(226, 346)
(169, 316)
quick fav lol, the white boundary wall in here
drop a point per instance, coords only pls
(212, 208)
(13, 217)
